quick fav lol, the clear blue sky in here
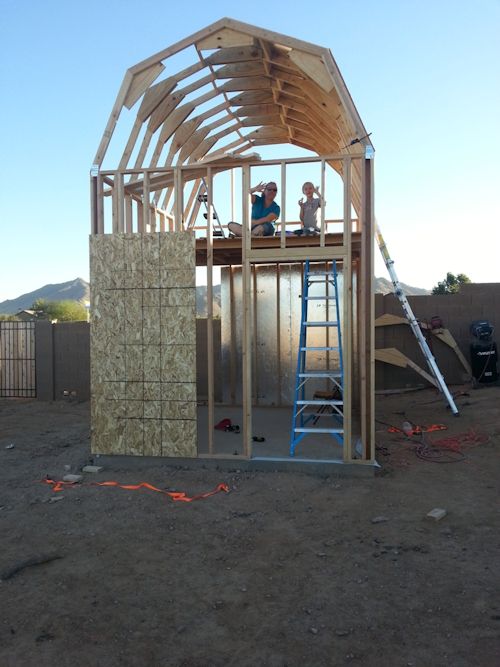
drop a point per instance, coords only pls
(423, 74)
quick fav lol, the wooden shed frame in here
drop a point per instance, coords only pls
(191, 125)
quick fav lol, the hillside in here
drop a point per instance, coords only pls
(384, 286)
(79, 290)
(73, 290)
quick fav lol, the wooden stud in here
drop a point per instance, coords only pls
(247, 336)
(210, 313)
(232, 344)
(367, 335)
(178, 201)
(145, 203)
(255, 376)
(114, 206)
(140, 217)
(232, 194)
(356, 392)
(120, 203)
(100, 205)
(347, 315)
(283, 205)
(94, 229)
(323, 201)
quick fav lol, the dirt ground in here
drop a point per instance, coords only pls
(285, 570)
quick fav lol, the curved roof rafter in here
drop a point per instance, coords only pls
(249, 87)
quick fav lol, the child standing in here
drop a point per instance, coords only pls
(309, 208)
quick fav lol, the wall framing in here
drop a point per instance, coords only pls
(292, 92)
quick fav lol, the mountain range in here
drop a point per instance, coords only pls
(79, 290)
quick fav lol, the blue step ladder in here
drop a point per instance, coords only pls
(327, 406)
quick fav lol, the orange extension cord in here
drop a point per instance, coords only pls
(177, 496)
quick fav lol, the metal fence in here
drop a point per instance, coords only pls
(17, 360)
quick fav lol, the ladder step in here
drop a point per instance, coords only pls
(322, 298)
(320, 324)
(319, 273)
(313, 401)
(322, 414)
(326, 349)
(320, 374)
(303, 429)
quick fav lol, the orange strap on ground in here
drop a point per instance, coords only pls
(419, 429)
(175, 495)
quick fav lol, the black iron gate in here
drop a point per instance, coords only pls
(17, 360)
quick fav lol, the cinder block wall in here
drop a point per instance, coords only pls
(62, 350)
(474, 302)
(143, 344)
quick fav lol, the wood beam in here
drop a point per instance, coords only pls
(141, 82)
(251, 97)
(244, 69)
(234, 54)
(246, 83)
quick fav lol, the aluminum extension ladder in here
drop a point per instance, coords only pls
(328, 406)
(412, 321)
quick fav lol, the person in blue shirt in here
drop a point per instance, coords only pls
(265, 211)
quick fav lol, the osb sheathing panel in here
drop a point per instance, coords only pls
(143, 344)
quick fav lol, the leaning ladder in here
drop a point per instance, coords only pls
(327, 405)
(412, 321)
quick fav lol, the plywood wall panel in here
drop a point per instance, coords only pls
(134, 363)
(178, 438)
(151, 323)
(178, 326)
(177, 251)
(107, 362)
(175, 277)
(178, 297)
(134, 391)
(152, 437)
(178, 363)
(178, 391)
(178, 410)
(134, 437)
(152, 363)
(152, 409)
(143, 344)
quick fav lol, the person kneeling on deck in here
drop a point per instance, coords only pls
(264, 211)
